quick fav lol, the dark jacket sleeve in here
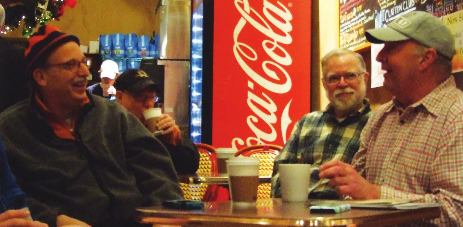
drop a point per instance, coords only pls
(47, 214)
(13, 197)
(184, 155)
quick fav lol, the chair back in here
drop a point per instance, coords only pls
(266, 154)
(207, 165)
(208, 159)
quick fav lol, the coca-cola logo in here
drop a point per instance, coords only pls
(271, 75)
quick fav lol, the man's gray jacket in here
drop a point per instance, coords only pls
(114, 165)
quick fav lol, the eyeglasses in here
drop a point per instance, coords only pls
(72, 65)
(142, 98)
(348, 77)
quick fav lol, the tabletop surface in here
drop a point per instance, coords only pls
(212, 179)
(274, 212)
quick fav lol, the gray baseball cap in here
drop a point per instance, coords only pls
(420, 26)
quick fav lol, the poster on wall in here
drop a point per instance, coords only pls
(261, 70)
(454, 22)
(357, 16)
(376, 73)
(354, 18)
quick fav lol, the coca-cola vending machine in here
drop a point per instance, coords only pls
(250, 70)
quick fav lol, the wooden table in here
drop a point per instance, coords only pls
(220, 179)
(274, 212)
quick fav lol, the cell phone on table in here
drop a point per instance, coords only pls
(329, 208)
(183, 204)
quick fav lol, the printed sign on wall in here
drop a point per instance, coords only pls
(261, 83)
(357, 16)
(454, 22)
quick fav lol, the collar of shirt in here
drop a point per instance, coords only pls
(430, 102)
(59, 125)
(362, 111)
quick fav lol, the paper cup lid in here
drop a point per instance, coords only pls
(153, 112)
(243, 161)
(226, 150)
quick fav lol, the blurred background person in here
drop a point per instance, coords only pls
(108, 72)
(136, 91)
(320, 136)
(13, 76)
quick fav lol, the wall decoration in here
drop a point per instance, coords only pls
(27, 14)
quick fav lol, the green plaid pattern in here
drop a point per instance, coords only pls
(317, 138)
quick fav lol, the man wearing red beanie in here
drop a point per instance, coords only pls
(81, 159)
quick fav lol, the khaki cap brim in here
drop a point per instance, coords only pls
(381, 35)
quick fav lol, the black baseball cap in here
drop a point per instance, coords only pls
(134, 81)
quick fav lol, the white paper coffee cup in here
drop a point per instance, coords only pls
(153, 112)
(151, 118)
(243, 178)
(295, 181)
(224, 154)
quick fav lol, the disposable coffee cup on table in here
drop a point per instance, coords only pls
(151, 118)
(295, 182)
(224, 154)
(243, 178)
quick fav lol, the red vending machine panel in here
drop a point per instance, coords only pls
(261, 70)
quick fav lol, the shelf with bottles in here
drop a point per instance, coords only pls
(124, 58)
(125, 63)
(94, 61)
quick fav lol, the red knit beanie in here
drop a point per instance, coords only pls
(46, 39)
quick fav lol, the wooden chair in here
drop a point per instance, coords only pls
(266, 154)
(207, 165)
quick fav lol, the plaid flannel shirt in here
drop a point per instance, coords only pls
(317, 138)
(417, 152)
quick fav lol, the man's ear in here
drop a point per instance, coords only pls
(40, 77)
(366, 77)
(324, 84)
(428, 58)
(118, 96)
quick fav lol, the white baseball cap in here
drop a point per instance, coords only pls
(109, 69)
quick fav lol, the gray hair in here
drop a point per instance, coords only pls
(441, 60)
(338, 52)
(2, 15)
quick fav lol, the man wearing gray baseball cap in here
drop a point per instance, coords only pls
(411, 146)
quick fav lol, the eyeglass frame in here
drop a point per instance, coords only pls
(140, 99)
(348, 77)
(72, 65)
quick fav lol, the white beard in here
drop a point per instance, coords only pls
(349, 104)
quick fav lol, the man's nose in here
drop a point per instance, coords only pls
(148, 104)
(342, 82)
(83, 69)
